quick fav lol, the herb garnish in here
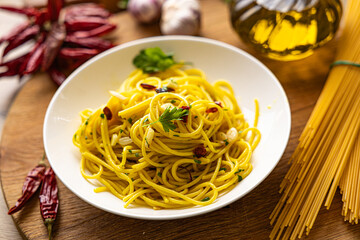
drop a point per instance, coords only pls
(222, 169)
(169, 115)
(239, 178)
(130, 120)
(238, 171)
(205, 199)
(197, 161)
(226, 142)
(152, 60)
(137, 154)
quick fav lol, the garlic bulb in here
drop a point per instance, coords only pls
(180, 17)
(145, 11)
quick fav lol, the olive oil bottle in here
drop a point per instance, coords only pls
(285, 29)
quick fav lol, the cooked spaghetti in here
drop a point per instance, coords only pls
(167, 140)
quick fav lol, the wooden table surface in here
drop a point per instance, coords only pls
(247, 218)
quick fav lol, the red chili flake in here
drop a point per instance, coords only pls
(147, 86)
(164, 89)
(185, 118)
(200, 151)
(218, 103)
(212, 110)
(107, 113)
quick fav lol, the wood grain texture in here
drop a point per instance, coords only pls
(247, 218)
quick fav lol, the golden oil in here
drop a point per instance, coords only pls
(285, 29)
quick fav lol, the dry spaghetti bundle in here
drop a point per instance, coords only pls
(328, 154)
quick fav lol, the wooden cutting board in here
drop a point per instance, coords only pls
(247, 218)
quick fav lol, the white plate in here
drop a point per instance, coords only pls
(88, 86)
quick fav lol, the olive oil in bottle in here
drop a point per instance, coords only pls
(285, 29)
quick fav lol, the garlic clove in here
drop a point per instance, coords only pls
(125, 141)
(180, 17)
(145, 11)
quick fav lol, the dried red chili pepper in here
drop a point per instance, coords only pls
(49, 201)
(54, 7)
(95, 32)
(200, 151)
(15, 33)
(31, 185)
(185, 118)
(57, 76)
(35, 60)
(25, 11)
(86, 9)
(13, 66)
(78, 53)
(218, 103)
(22, 37)
(147, 86)
(41, 17)
(53, 43)
(107, 113)
(84, 23)
(211, 110)
(89, 21)
(92, 42)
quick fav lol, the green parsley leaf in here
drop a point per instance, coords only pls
(152, 60)
(239, 171)
(129, 150)
(137, 154)
(196, 117)
(102, 116)
(159, 174)
(226, 142)
(239, 178)
(197, 161)
(205, 199)
(175, 135)
(121, 131)
(169, 115)
(222, 169)
(86, 122)
(173, 101)
(130, 120)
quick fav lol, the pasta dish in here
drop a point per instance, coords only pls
(167, 139)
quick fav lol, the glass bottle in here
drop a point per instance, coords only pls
(285, 29)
